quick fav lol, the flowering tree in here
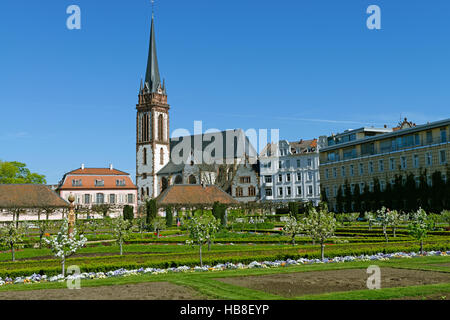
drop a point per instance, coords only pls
(396, 219)
(11, 235)
(63, 245)
(43, 226)
(201, 230)
(419, 225)
(293, 227)
(320, 225)
(370, 217)
(385, 219)
(121, 229)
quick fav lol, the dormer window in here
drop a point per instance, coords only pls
(76, 183)
(99, 183)
(120, 183)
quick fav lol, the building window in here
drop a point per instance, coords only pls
(160, 128)
(76, 183)
(361, 169)
(403, 162)
(120, 183)
(145, 156)
(310, 190)
(309, 162)
(381, 165)
(343, 171)
(280, 178)
(326, 174)
(299, 176)
(391, 164)
(144, 176)
(244, 179)
(239, 192)
(280, 192)
(288, 177)
(192, 179)
(130, 198)
(415, 161)
(370, 166)
(288, 163)
(443, 135)
(112, 198)
(335, 173)
(429, 137)
(371, 186)
(362, 185)
(382, 185)
(178, 179)
(299, 191)
(442, 157)
(268, 179)
(251, 191)
(298, 163)
(310, 176)
(87, 199)
(352, 170)
(280, 164)
(161, 156)
(288, 191)
(99, 183)
(100, 198)
(428, 159)
(268, 192)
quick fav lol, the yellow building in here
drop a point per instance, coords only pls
(358, 156)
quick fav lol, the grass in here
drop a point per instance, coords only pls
(207, 285)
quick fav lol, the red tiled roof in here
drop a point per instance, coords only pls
(98, 171)
(88, 182)
(29, 196)
(194, 194)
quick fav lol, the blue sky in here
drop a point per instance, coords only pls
(308, 68)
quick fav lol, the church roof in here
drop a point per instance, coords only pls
(152, 77)
(194, 194)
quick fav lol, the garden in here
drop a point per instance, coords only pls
(238, 250)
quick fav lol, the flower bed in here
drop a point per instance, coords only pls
(122, 272)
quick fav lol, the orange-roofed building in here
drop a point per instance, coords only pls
(95, 186)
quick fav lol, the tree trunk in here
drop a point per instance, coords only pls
(293, 239)
(209, 245)
(120, 244)
(200, 251)
(17, 219)
(385, 234)
(421, 246)
(63, 262)
(394, 231)
(322, 251)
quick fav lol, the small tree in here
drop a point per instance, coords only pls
(121, 229)
(64, 245)
(370, 217)
(10, 235)
(128, 212)
(320, 225)
(384, 218)
(169, 217)
(43, 226)
(396, 219)
(102, 209)
(201, 230)
(292, 227)
(419, 226)
(158, 224)
(151, 210)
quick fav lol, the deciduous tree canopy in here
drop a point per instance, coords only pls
(17, 173)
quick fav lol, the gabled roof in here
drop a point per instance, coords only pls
(88, 182)
(29, 196)
(194, 194)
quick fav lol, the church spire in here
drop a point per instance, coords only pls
(152, 77)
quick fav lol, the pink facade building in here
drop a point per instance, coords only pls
(95, 186)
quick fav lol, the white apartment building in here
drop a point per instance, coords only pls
(289, 171)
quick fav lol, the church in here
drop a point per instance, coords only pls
(162, 161)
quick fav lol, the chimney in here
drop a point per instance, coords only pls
(111, 167)
(82, 166)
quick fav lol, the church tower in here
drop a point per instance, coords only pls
(152, 127)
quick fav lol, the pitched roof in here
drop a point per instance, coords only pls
(194, 194)
(97, 171)
(29, 196)
(152, 77)
(88, 182)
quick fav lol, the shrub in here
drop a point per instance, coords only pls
(128, 213)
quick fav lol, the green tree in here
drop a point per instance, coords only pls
(169, 217)
(419, 226)
(151, 210)
(292, 227)
(121, 229)
(158, 224)
(293, 209)
(384, 218)
(437, 192)
(17, 173)
(320, 225)
(128, 212)
(218, 211)
(202, 229)
(10, 235)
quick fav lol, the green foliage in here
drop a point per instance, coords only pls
(17, 173)
(151, 210)
(419, 225)
(121, 230)
(293, 227)
(169, 217)
(219, 211)
(10, 235)
(128, 213)
(158, 224)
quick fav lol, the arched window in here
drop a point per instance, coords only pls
(164, 184)
(148, 191)
(161, 156)
(161, 128)
(145, 155)
(178, 180)
(192, 179)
